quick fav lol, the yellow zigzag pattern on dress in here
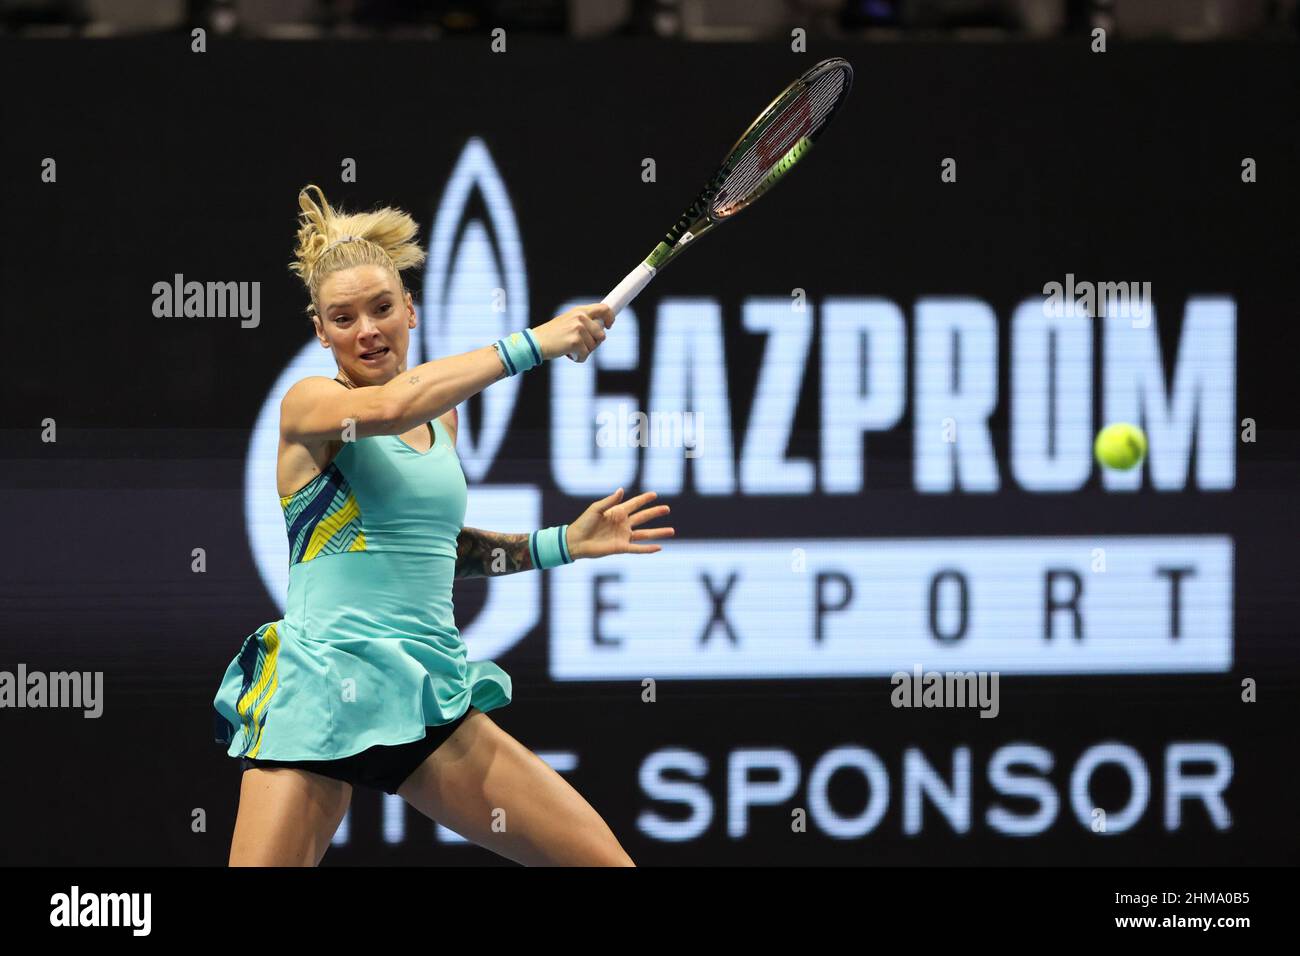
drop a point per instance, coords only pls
(329, 526)
(268, 679)
(323, 517)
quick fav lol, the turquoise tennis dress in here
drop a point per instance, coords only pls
(367, 652)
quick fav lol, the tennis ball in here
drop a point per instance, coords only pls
(1121, 446)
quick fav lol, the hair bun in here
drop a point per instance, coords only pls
(330, 240)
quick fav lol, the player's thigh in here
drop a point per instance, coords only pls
(497, 793)
(287, 817)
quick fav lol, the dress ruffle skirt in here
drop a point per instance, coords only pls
(285, 697)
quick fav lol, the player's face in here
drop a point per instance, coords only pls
(366, 320)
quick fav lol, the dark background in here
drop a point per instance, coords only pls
(1123, 165)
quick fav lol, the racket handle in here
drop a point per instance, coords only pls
(626, 291)
(629, 288)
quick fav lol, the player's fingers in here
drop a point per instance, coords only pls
(595, 327)
(652, 533)
(641, 517)
(632, 504)
(609, 500)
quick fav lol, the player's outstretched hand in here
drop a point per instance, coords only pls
(612, 526)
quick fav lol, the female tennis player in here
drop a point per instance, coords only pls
(365, 680)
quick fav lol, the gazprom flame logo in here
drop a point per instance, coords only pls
(469, 261)
(475, 255)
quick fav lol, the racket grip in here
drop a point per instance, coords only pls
(629, 288)
(626, 291)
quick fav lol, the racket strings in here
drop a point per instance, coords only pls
(803, 116)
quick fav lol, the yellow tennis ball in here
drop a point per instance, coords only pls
(1121, 446)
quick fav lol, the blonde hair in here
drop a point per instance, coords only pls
(384, 237)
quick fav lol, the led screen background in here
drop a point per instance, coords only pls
(828, 532)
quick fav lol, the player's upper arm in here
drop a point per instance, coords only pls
(318, 409)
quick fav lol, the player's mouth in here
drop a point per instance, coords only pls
(375, 356)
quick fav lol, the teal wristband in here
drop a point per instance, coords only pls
(519, 351)
(548, 548)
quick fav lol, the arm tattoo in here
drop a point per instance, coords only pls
(491, 553)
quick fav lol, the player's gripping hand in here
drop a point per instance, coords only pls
(575, 333)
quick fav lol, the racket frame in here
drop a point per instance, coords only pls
(698, 218)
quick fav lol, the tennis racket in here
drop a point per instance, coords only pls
(781, 136)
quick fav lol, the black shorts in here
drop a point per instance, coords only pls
(381, 767)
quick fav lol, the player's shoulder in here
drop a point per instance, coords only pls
(311, 385)
(306, 393)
